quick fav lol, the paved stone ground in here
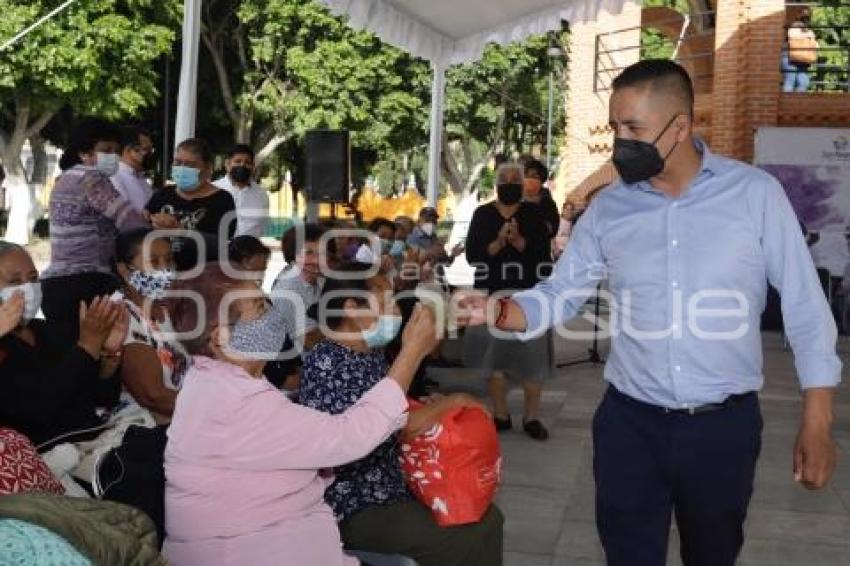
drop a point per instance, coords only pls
(548, 488)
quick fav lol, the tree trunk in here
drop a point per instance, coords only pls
(268, 148)
(245, 126)
(39, 173)
(450, 167)
(21, 194)
(21, 197)
(39, 158)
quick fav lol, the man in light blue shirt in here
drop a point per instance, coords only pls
(687, 241)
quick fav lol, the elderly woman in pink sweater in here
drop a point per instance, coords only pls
(243, 464)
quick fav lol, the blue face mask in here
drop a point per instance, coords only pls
(259, 339)
(385, 329)
(107, 163)
(397, 248)
(187, 179)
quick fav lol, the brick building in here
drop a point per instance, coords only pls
(732, 49)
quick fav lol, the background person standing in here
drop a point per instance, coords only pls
(507, 243)
(252, 201)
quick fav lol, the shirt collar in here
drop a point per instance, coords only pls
(710, 166)
(710, 162)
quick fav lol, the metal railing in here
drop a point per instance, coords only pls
(829, 73)
(611, 55)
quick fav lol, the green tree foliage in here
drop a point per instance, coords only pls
(831, 22)
(499, 104)
(96, 58)
(653, 43)
(286, 66)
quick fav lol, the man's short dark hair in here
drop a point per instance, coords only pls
(198, 147)
(289, 243)
(661, 75)
(130, 137)
(241, 149)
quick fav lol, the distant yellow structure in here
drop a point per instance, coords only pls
(371, 205)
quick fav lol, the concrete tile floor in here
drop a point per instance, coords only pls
(548, 489)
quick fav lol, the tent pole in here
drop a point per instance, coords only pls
(184, 126)
(438, 91)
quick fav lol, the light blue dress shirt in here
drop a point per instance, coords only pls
(688, 280)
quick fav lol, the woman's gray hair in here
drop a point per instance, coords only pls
(510, 172)
(6, 247)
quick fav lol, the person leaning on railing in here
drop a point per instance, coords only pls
(802, 52)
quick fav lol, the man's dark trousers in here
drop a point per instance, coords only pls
(649, 463)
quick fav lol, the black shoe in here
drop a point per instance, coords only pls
(535, 429)
(503, 424)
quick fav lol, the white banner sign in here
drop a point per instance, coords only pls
(803, 146)
(813, 165)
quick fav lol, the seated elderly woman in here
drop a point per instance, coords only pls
(51, 385)
(376, 511)
(247, 253)
(242, 463)
(154, 363)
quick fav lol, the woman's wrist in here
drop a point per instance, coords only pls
(89, 347)
(108, 355)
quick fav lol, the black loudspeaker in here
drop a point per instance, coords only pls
(328, 174)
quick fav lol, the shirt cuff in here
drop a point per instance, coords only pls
(536, 316)
(391, 399)
(818, 370)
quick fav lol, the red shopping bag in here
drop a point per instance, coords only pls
(454, 468)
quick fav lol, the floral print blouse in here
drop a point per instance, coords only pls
(335, 378)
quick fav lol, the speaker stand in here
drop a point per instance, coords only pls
(312, 211)
(593, 356)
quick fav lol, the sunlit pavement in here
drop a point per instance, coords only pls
(548, 489)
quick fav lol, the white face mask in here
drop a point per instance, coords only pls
(32, 298)
(107, 163)
(428, 228)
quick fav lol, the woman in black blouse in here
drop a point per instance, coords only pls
(509, 246)
(50, 385)
(194, 205)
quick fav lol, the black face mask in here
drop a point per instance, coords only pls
(240, 174)
(149, 162)
(637, 160)
(509, 193)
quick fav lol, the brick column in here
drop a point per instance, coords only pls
(588, 139)
(748, 43)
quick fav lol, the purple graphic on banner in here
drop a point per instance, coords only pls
(809, 194)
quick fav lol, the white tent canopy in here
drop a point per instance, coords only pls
(445, 32)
